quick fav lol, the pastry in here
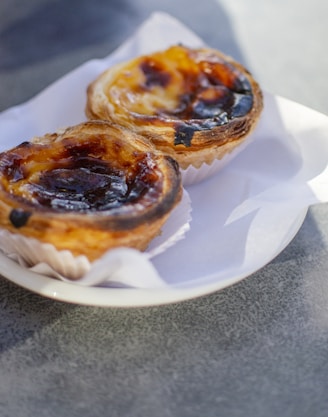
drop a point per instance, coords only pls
(87, 189)
(196, 105)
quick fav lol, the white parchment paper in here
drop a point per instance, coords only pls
(243, 216)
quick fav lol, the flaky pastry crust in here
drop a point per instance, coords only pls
(194, 104)
(87, 189)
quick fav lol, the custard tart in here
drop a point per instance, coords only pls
(196, 105)
(87, 189)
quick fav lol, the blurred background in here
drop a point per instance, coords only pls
(258, 348)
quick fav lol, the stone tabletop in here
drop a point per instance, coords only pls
(257, 348)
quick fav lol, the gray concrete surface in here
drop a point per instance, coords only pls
(258, 348)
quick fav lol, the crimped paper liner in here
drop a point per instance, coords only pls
(29, 252)
(192, 175)
(47, 260)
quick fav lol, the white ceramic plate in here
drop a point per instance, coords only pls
(239, 220)
(242, 217)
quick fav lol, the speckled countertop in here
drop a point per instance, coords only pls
(257, 348)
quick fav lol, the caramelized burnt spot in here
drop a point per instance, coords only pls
(86, 183)
(77, 177)
(155, 74)
(79, 188)
(207, 90)
(19, 218)
(215, 95)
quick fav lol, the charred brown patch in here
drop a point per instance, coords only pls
(155, 74)
(77, 176)
(217, 94)
(19, 218)
(89, 184)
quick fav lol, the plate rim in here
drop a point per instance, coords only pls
(129, 297)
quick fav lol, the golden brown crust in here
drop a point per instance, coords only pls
(87, 189)
(194, 104)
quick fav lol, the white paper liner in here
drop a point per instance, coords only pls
(45, 259)
(192, 175)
